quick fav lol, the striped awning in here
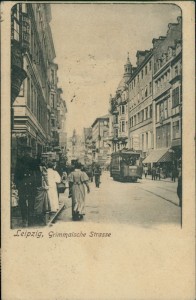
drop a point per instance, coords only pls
(158, 155)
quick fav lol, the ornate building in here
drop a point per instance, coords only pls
(119, 110)
(35, 101)
(100, 133)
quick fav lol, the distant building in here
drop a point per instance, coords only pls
(100, 133)
(119, 111)
(88, 145)
(61, 120)
(75, 148)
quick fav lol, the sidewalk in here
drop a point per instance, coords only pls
(149, 177)
(16, 219)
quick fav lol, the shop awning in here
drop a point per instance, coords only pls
(157, 156)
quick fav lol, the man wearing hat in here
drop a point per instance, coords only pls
(25, 180)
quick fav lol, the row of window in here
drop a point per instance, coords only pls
(142, 95)
(36, 103)
(162, 81)
(163, 108)
(16, 27)
(162, 111)
(167, 56)
(141, 116)
(143, 72)
(144, 141)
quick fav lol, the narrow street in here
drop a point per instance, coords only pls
(146, 203)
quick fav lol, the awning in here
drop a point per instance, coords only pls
(157, 156)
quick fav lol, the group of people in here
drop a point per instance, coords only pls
(37, 186)
(156, 173)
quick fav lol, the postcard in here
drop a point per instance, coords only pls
(98, 156)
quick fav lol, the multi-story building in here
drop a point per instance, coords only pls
(34, 102)
(140, 104)
(88, 145)
(61, 120)
(167, 95)
(75, 148)
(53, 104)
(100, 133)
(119, 110)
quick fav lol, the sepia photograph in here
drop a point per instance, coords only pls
(96, 156)
(85, 121)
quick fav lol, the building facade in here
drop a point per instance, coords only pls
(100, 134)
(146, 111)
(35, 105)
(119, 111)
(61, 120)
(167, 82)
(140, 104)
(88, 145)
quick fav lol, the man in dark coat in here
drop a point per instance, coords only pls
(25, 179)
(97, 173)
(153, 173)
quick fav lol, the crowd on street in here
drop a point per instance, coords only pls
(37, 184)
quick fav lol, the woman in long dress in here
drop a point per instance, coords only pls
(53, 179)
(78, 179)
(42, 203)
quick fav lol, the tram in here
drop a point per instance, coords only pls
(126, 165)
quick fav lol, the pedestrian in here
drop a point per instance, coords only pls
(174, 173)
(97, 173)
(158, 171)
(153, 173)
(145, 170)
(42, 203)
(77, 181)
(53, 179)
(26, 185)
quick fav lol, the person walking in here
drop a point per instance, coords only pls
(77, 181)
(158, 171)
(97, 173)
(153, 173)
(174, 173)
(145, 171)
(25, 179)
(53, 179)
